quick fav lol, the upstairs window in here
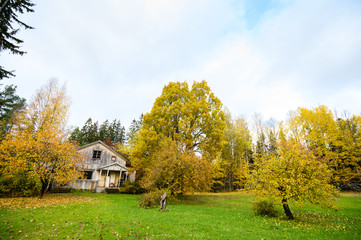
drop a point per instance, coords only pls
(114, 158)
(96, 154)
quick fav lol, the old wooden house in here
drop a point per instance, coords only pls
(104, 168)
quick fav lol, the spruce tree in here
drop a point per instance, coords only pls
(9, 27)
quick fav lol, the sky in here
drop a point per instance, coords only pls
(267, 57)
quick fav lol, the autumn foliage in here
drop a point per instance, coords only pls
(294, 174)
(191, 122)
(178, 170)
(333, 140)
(233, 167)
(37, 147)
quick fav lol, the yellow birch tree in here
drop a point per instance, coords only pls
(38, 144)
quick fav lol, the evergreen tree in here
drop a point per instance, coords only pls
(9, 27)
(76, 134)
(104, 130)
(10, 103)
(134, 127)
(117, 132)
(93, 133)
(85, 132)
(111, 133)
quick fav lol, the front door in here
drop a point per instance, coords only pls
(116, 181)
(102, 179)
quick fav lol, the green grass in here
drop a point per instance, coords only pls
(203, 216)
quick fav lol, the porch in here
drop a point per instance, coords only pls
(111, 176)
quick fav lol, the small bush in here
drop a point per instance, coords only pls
(265, 208)
(131, 188)
(20, 185)
(112, 190)
(151, 199)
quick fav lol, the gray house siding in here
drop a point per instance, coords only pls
(104, 168)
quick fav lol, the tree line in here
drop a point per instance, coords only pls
(187, 143)
(111, 132)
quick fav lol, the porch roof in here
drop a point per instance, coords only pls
(113, 166)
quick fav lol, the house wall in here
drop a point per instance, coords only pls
(97, 184)
(84, 184)
(105, 158)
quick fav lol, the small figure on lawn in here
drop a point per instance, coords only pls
(163, 200)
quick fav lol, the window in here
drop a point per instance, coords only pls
(88, 174)
(113, 158)
(96, 154)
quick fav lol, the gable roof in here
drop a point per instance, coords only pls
(109, 148)
(112, 164)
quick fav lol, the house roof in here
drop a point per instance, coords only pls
(110, 149)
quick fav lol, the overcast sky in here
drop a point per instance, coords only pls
(262, 56)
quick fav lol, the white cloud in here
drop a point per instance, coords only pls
(302, 56)
(115, 56)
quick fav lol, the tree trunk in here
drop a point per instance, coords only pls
(287, 209)
(230, 183)
(50, 185)
(44, 186)
(163, 201)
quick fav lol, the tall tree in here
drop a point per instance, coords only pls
(134, 127)
(10, 104)
(192, 117)
(347, 166)
(104, 130)
(260, 148)
(333, 141)
(116, 132)
(76, 135)
(236, 154)
(266, 134)
(38, 145)
(86, 133)
(9, 27)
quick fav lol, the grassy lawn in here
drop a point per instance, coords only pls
(203, 216)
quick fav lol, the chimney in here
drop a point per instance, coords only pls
(75, 142)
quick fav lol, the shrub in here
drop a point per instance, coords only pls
(265, 208)
(111, 190)
(151, 199)
(19, 185)
(131, 188)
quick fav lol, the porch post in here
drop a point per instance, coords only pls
(120, 177)
(107, 177)
(100, 177)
